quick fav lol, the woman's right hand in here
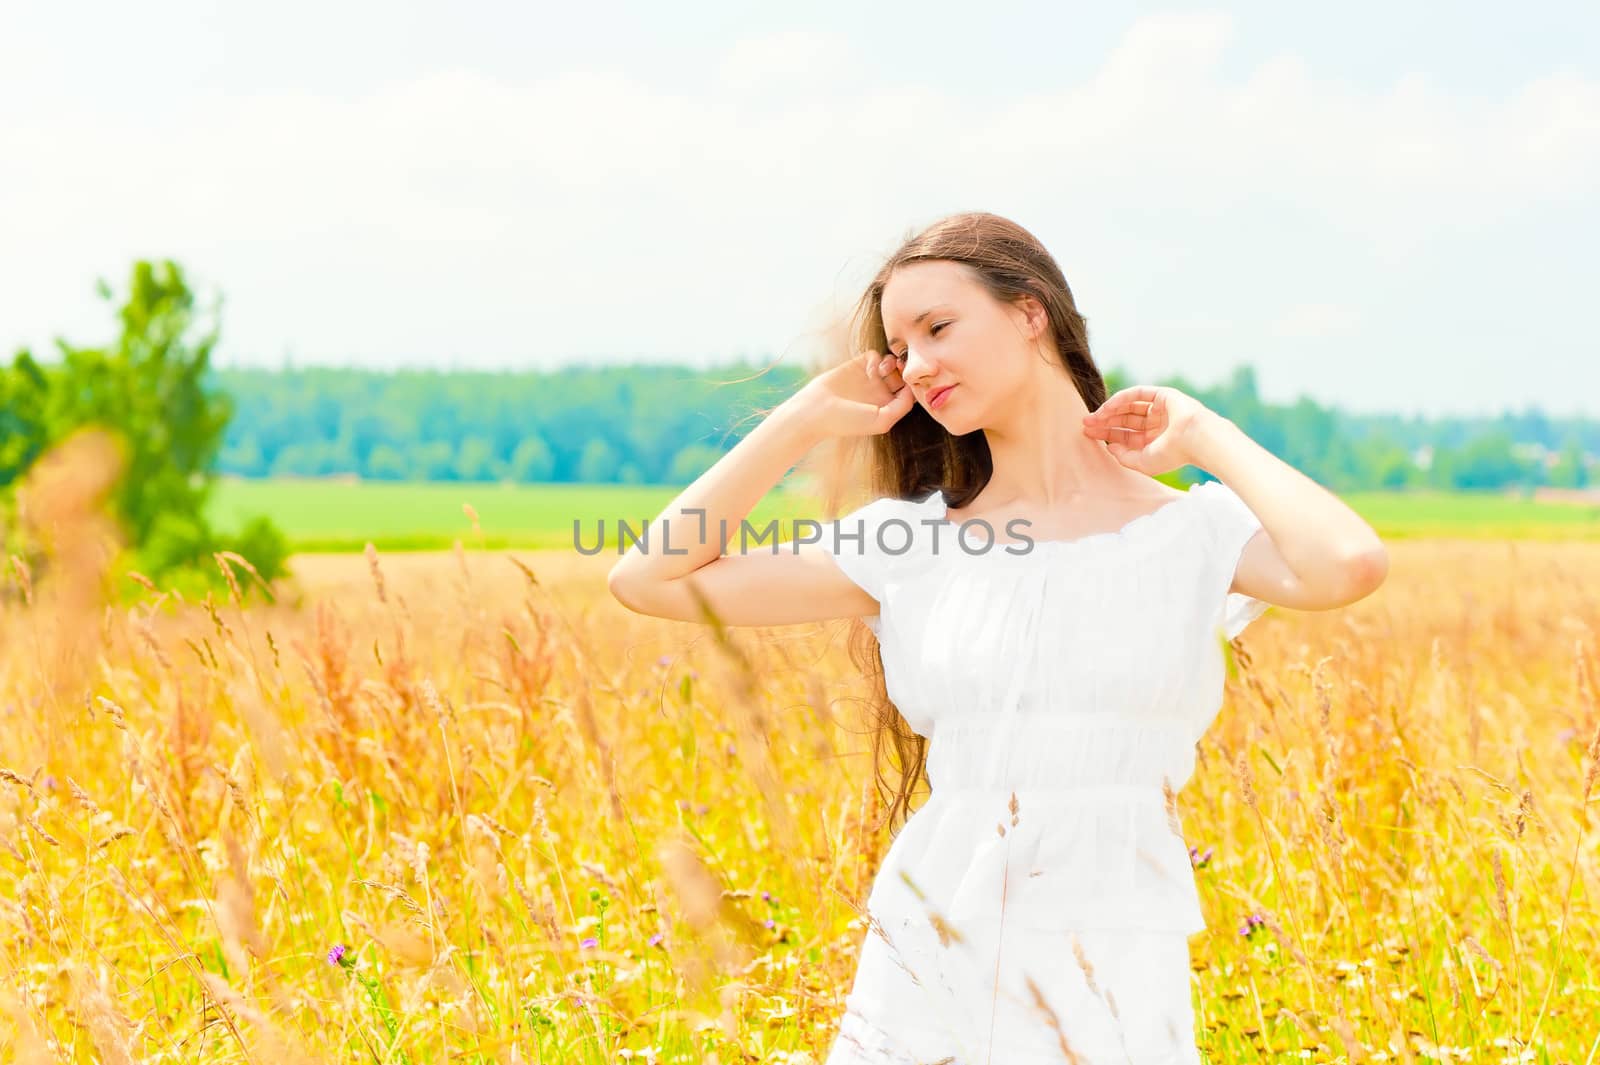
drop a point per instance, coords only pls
(863, 396)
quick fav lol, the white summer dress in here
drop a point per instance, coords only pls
(1078, 676)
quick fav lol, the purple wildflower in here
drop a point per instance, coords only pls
(1252, 922)
(655, 939)
(770, 923)
(337, 954)
(1199, 858)
(664, 661)
(588, 942)
(766, 896)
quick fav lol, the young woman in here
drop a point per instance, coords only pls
(1051, 622)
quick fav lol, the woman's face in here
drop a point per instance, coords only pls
(956, 338)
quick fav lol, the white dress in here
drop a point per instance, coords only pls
(1078, 677)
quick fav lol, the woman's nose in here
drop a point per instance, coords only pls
(915, 368)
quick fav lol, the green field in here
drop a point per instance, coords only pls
(330, 515)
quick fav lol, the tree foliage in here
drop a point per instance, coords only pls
(151, 388)
(664, 424)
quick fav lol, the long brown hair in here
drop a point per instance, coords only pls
(918, 455)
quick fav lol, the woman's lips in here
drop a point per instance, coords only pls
(937, 398)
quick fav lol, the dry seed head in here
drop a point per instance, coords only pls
(244, 563)
(1500, 887)
(148, 636)
(1068, 1055)
(1593, 771)
(1477, 948)
(120, 832)
(420, 862)
(82, 797)
(1084, 964)
(39, 831)
(109, 1030)
(600, 874)
(24, 578)
(430, 696)
(1170, 799)
(947, 932)
(377, 574)
(118, 718)
(496, 826)
(1247, 789)
(227, 575)
(1284, 942)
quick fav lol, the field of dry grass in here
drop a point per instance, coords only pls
(466, 808)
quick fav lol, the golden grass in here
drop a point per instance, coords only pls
(548, 830)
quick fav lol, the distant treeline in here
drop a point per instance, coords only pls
(656, 424)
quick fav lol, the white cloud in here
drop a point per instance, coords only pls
(788, 58)
(596, 214)
(1316, 320)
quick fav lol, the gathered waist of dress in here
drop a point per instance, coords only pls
(1081, 757)
(1064, 793)
(1058, 857)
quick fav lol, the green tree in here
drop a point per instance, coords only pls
(1485, 461)
(432, 461)
(1569, 470)
(149, 389)
(691, 461)
(386, 463)
(532, 461)
(599, 462)
(24, 424)
(475, 460)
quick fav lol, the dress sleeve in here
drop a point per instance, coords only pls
(1233, 523)
(852, 541)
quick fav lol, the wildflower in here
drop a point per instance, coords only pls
(337, 955)
(589, 941)
(770, 923)
(766, 896)
(655, 940)
(1252, 922)
(664, 661)
(1198, 858)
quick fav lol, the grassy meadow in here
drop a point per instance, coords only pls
(460, 806)
(334, 515)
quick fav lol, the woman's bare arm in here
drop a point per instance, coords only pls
(757, 585)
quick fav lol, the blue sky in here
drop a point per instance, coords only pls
(1379, 207)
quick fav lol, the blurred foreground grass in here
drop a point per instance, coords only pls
(532, 827)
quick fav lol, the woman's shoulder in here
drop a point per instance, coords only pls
(886, 508)
(875, 542)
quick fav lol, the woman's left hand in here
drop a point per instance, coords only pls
(1148, 428)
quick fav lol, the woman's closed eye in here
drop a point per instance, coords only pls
(932, 332)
